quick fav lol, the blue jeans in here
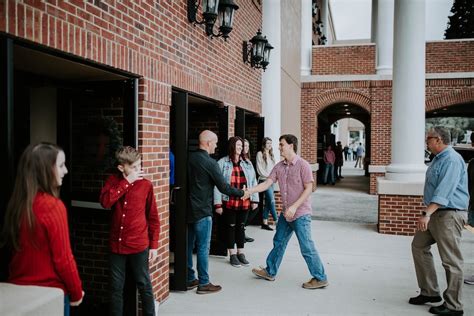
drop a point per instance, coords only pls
(329, 169)
(199, 233)
(66, 305)
(138, 263)
(269, 203)
(284, 231)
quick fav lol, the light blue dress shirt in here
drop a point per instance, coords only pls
(446, 181)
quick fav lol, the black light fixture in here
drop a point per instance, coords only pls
(212, 11)
(256, 52)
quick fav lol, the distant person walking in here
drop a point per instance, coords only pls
(36, 226)
(338, 151)
(295, 179)
(446, 198)
(360, 156)
(346, 152)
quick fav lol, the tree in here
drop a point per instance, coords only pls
(461, 22)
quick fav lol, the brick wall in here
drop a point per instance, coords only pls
(153, 40)
(343, 60)
(450, 56)
(398, 214)
(441, 57)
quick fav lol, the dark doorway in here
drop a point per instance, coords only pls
(89, 111)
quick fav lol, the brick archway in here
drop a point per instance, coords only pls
(312, 107)
(329, 98)
(449, 99)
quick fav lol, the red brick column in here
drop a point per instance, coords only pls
(398, 213)
(153, 135)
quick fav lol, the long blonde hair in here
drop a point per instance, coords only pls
(270, 152)
(35, 173)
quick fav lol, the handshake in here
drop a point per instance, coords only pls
(247, 193)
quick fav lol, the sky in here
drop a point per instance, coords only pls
(352, 18)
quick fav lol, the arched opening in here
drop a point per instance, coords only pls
(459, 119)
(348, 199)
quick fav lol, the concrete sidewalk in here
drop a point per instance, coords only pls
(369, 274)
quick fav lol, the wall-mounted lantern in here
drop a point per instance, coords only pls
(256, 52)
(212, 11)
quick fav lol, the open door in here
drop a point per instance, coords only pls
(178, 196)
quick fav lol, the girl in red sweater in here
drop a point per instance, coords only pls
(36, 228)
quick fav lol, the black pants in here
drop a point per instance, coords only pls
(234, 227)
(138, 263)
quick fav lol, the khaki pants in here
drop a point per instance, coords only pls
(445, 229)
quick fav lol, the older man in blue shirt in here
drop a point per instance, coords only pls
(446, 198)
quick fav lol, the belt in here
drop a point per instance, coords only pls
(443, 209)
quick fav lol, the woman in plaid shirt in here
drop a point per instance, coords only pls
(239, 173)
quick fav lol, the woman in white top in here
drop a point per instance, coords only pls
(265, 164)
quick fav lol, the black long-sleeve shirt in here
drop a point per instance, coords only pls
(203, 175)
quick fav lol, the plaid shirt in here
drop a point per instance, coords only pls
(237, 180)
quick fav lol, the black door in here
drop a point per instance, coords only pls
(178, 196)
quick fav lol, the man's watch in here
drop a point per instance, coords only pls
(425, 214)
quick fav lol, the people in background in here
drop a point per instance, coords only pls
(338, 151)
(329, 158)
(203, 175)
(253, 212)
(239, 173)
(134, 230)
(36, 226)
(265, 164)
(295, 179)
(359, 156)
(346, 152)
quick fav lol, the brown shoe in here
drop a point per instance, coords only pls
(315, 284)
(262, 273)
(208, 289)
(193, 284)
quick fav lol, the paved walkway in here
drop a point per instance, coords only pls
(369, 273)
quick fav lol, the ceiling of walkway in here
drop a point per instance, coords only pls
(460, 110)
(339, 111)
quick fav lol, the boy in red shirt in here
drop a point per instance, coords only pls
(134, 229)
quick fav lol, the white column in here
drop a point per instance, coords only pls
(373, 25)
(325, 19)
(271, 79)
(306, 37)
(408, 95)
(384, 35)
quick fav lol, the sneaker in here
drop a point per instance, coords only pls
(242, 259)
(263, 274)
(248, 239)
(208, 289)
(315, 284)
(423, 299)
(469, 280)
(234, 261)
(266, 227)
(192, 284)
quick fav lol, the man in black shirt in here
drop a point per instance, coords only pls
(204, 174)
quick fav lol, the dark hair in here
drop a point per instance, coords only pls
(35, 173)
(232, 144)
(264, 154)
(290, 139)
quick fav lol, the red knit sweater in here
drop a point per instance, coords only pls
(45, 257)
